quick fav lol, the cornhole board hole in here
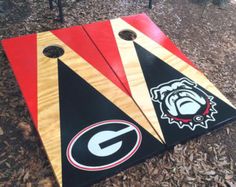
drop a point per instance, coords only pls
(106, 96)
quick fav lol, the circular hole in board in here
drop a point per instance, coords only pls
(128, 35)
(53, 51)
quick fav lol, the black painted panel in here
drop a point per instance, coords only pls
(95, 133)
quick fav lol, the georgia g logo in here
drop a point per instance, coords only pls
(103, 145)
(183, 103)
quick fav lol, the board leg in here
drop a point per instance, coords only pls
(61, 17)
(150, 4)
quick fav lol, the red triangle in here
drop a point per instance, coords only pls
(102, 35)
(22, 54)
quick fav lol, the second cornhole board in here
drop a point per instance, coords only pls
(178, 100)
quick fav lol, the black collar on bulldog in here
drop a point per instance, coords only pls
(183, 103)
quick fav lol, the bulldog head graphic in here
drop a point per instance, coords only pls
(183, 103)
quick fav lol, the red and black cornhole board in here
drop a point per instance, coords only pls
(107, 95)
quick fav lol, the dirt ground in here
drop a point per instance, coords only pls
(205, 32)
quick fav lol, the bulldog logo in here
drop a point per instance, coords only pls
(183, 103)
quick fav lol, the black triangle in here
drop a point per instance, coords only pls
(184, 109)
(81, 106)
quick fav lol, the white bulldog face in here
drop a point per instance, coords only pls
(183, 103)
(179, 98)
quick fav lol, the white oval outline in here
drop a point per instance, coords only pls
(107, 166)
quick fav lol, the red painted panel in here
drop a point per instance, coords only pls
(77, 39)
(22, 54)
(102, 35)
(144, 24)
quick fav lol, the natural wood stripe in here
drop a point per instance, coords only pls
(168, 57)
(48, 105)
(135, 77)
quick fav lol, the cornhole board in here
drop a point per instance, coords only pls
(160, 79)
(106, 96)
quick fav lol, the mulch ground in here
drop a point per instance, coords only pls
(205, 32)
